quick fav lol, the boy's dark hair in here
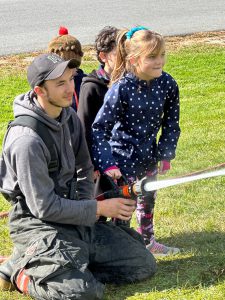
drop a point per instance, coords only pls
(106, 40)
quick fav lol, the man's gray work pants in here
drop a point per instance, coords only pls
(73, 262)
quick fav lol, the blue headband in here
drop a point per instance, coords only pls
(130, 33)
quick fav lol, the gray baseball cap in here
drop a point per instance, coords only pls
(46, 67)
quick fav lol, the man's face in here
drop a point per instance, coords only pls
(58, 93)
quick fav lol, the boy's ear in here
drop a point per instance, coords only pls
(102, 56)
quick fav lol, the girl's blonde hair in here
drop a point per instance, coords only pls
(133, 46)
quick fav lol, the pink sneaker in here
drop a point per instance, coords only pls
(160, 250)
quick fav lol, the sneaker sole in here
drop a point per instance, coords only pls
(166, 254)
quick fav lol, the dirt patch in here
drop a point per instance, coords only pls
(18, 62)
(212, 37)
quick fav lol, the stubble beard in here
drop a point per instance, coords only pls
(54, 103)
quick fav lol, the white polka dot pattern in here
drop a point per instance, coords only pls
(126, 127)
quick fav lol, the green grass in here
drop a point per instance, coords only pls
(190, 216)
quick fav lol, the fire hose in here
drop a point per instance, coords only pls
(145, 186)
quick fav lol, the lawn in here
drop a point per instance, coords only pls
(189, 216)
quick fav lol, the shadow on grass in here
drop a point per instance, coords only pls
(200, 264)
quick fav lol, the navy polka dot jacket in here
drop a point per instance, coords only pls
(126, 131)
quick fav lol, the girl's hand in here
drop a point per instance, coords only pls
(113, 172)
(96, 175)
(164, 167)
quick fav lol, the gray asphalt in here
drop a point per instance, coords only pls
(29, 25)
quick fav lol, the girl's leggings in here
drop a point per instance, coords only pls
(145, 211)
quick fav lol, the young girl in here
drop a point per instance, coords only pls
(142, 101)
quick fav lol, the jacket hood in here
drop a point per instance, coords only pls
(93, 77)
(135, 80)
(80, 72)
(27, 104)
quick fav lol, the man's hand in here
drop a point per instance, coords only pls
(119, 208)
(3, 258)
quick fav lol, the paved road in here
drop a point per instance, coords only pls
(28, 25)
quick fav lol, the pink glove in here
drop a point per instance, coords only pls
(164, 166)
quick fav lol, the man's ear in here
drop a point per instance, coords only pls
(102, 56)
(39, 90)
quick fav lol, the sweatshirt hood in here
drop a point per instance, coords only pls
(93, 77)
(27, 104)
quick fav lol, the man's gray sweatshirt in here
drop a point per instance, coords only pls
(24, 166)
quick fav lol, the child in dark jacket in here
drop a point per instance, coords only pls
(142, 101)
(68, 47)
(95, 85)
